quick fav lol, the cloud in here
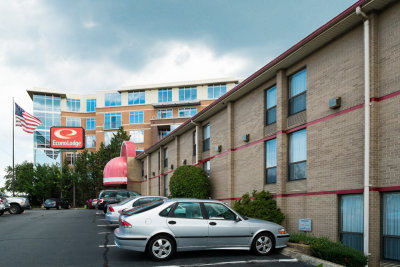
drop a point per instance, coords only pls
(89, 24)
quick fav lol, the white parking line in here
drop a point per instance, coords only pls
(103, 233)
(106, 246)
(102, 225)
(236, 262)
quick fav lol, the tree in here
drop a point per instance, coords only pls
(191, 182)
(260, 206)
(24, 174)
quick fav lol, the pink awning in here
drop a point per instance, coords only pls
(115, 172)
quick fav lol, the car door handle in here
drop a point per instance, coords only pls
(172, 222)
(213, 223)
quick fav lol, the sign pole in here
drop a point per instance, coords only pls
(13, 168)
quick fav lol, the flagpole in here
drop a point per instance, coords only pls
(13, 178)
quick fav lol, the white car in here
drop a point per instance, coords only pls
(162, 228)
(114, 210)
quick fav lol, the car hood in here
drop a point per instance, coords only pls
(258, 222)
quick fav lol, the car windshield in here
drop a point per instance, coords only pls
(2, 194)
(49, 200)
(142, 208)
(109, 194)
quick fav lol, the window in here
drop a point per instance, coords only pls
(112, 99)
(165, 157)
(71, 158)
(187, 93)
(73, 122)
(216, 90)
(91, 124)
(298, 155)
(137, 136)
(135, 117)
(73, 104)
(207, 167)
(187, 112)
(142, 163)
(206, 137)
(270, 156)
(297, 92)
(219, 212)
(351, 217)
(270, 101)
(391, 226)
(188, 210)
(112, 120)
(108, 136)
(91, 105)
(166, 185)
(164, 113)
(90, 141)
(194, 143)
(164, 95)
(136, 98)
(162, 133)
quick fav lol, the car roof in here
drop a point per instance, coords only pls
(193, 200)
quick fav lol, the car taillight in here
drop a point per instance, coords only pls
(110, 208)
(101, 200)
(124, 223)
(1, 201)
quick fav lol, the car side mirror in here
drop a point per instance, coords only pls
(237, 218)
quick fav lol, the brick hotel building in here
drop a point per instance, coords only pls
(147, 113)
(299, 128)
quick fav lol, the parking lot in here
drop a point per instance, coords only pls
(79, 237)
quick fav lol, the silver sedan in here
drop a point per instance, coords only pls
(162, 228)
(115, 210)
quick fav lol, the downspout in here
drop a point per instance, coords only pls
(366, 128)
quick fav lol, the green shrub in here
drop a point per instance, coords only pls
(262, 206)
(190, 182)
(323, 248)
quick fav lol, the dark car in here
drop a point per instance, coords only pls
(112, 196)
(56, 203)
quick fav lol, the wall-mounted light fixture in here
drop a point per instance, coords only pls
(184, 162)
(246, 137)
(153, 173)
(335, 102)
(218, 148)
(172, 166)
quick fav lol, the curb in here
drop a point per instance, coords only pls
(307, 259)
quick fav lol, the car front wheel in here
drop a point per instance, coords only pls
(1, 212)
(263, 244)
(161, 248)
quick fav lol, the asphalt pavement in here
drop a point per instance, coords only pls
(79, 237)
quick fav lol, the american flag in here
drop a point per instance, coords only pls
(25, 120)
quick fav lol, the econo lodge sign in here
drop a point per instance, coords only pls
(67, 137)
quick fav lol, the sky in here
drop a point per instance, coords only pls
(88, 46)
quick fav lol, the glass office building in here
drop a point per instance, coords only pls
(47, 109)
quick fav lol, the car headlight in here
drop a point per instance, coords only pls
(282, 231)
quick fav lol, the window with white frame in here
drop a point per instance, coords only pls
(90, 141)
(135, 117)
(112, 120)
(391, 226)
(162, 133)
(187, 93)
(206, 137)
(216, 90)
(71, 158)
(298, 92)
(90, 105)
(164, 95)
(207, 167)
(137, 136)
(164, 113)
(73, 104)
(351, 220)
(270, 156)
(136, 98)
(187, 112)
(91, 124)
(112, 99)
(73, 122)
(270, 101)
(108, 136)
(298, 155)
(165, 157)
